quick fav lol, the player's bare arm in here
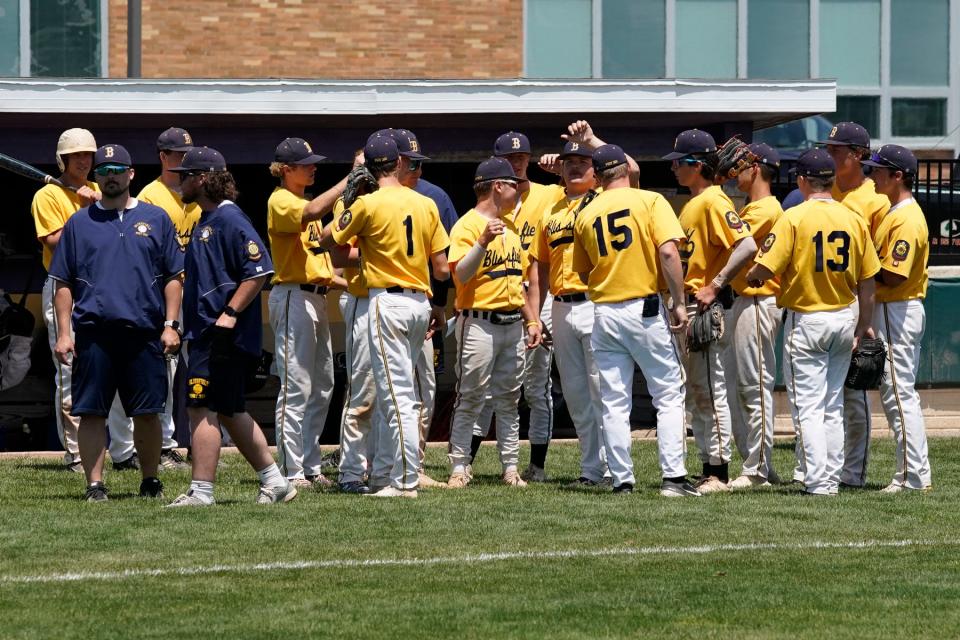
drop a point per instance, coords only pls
(172, 295)
(63, 303)
(467, 266)
(890, 278)
(866, 295)
(581, 131)
(241, 299)
(758, 274)
(343, 256)
(743, 252)
(672, 269)
(550, 162)
(323, 203)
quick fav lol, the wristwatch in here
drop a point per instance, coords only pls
(230, 311)
(173, 324)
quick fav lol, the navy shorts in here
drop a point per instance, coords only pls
(217, 381)
(128, 362)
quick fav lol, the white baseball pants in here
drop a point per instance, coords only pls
(304, 360)
(856, 430)
(622, 337)
(426, 383)
(572, 327)
(816, 357)
(490, 362)
(398, 324)
(901, 325)
(360, 394)
(707, 397)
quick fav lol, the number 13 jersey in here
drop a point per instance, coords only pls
(822, 249)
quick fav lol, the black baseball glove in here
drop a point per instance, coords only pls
(867, 364)
(359, 182)
(707, 327)
(734, 156)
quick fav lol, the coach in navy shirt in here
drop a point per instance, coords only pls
(226, 267)
(118, 266)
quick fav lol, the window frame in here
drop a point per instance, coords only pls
(25, 44)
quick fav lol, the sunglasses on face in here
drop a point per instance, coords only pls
(415, 164)
(110, 170)
(189, 174)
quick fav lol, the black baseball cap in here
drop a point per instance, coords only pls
(111, 154)
(765, 154)
(380, 150)
(893, 156)
(174, 139)
(608, 156)
(494, 168)
(691, 142)
(815, 163)
(849, 134)
(511, 142)
(575, 149)
(407, 144)
(201, 159)
(296, 151)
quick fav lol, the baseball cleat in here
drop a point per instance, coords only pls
(512, 478)
(584, 482)
(151, 488)
(773, 477)
(188, 499)
(748, 482)
(533, 473)
(712, 484)
(130, 464)
(280, 493)
(356, 487)
(96, 492)
(469, 471)
(170, 459)
(426, 482)
(671, 489)
(393, 492)
(458, 480)
(892, 488)
(623, 489)
(301, 483)
(320, 481)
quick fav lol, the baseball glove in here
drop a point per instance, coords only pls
(867, 365)
(734, 156)
(359, 182)
(707, 327)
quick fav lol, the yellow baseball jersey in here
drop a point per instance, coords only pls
(865, 200)
(397, 231)
(355, 284)
(902, 244)
(534, 203)
(553, 243)
(821, 250)
(51, 208)
(711, 226)
(616, 239)
(759, 216)
(184, 216)
(297, 256)
(498, 283)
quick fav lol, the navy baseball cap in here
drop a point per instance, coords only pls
(691, 142)
(407, 144)
(174, 139)
(495, 168)
(111, 154)
(765, 154)
(201, 159)
(849, 134)
(381, 150)
(296, 151)
(815, 163)
(893, 156)
(381, 133)
(511, 142)
(575, 149)
(608, 156)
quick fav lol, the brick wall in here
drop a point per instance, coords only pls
(336, 39)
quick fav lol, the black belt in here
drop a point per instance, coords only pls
(397, 289)
(314, 288)
(573, 297)
(496, 317)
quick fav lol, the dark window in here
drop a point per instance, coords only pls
(65, 38)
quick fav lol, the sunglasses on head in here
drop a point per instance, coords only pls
(110, 170)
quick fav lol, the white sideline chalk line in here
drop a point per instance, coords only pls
(467, 559)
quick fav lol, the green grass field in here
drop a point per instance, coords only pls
(768, 564)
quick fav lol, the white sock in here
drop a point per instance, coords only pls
(459, 468)
(271, 476)
(202, 489)
(510, 467)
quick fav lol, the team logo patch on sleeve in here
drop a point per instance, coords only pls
(142, 229)
(344, 220)
(253, 251)
(767, 243)
(733, 220)
(901, 249)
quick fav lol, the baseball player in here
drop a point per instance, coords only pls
(624, 241)
(718, 245)
(751, 363)
(551, 255)
(899, 317)
(226, 267)
(298, 311)
(398, 232)
(487, 261)
(165, 193)
(848, 144)
(120, 261)
(51, 208)
(826, 262)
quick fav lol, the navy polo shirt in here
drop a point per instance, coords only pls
(448, 214)
(118, 265)
(224, 251)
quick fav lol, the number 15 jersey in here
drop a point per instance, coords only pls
(822, 249)
(617, 238)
